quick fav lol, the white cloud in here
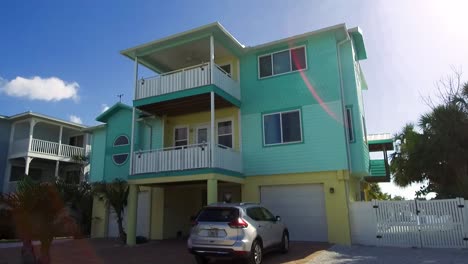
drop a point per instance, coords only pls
(104, 108)
(38, 88)
(76, 119)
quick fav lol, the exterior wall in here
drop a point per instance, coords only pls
(48, 132)
(335, 203)
(98, 154)
(149, 134)
(324, 146)
(353, 99)
(201, 118)
(99, 220)
(5, 129)
(21, 130)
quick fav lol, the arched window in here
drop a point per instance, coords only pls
(120, 159)
(121, 140)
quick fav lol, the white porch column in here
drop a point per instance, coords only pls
(132, 140)
(32, 123)
(60, 143)
(212, 128)
(212, 59)
(57, 164)
(27, 163)
(6, 180)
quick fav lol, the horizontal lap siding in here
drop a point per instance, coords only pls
(323, 148)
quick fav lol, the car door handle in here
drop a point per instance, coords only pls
(259, 225)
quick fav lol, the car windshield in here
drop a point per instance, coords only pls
(218, 214)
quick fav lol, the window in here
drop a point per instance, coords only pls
(268, 215)
(181, 136)
(226, 68)
(280, 128)
(121, 140)
(282, 62)
(255, 213)
(218, 215)
(120, 159)
(349, 123)
(225, 133)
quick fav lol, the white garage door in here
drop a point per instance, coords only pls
(301, 207)
(142, 217)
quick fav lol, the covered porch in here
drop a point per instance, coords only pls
(174, 200)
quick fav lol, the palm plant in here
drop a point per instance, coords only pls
(115, 195)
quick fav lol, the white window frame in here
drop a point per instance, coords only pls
(232, 130)
(201, 126)
(174, 135)
(113, 143)
(281, 127)
(350, 123)
(290, 62)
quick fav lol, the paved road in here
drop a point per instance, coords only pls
(388, 255)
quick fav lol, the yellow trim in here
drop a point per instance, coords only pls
(335, 203)
(99, 219)
(157, 213)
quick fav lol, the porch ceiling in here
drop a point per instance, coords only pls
(184, 55)
(185, 105)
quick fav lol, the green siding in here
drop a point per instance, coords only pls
(359, 151)
(97, 155)
(323, 134)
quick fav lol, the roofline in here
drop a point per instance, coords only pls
(307, 34)
(32, 114)
(127, 52)
(92, 128)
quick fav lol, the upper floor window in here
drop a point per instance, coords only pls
(280, 62)
(349, 123)
(120, 159)
(121, 140)
(76, 141)
(225, 133)
(226, 68)
(282, 127)
(180, 136)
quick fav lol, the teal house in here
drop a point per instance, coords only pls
(281, 123)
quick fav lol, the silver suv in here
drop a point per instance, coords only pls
(241, 230)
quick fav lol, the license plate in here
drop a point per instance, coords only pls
(213, 233)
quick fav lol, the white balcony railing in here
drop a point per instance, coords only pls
(195, 156)
(44, 147)
(187, 78)
(20, 147)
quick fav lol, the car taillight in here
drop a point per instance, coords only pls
(238, 223)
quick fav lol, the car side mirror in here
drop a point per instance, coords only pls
(278, 218)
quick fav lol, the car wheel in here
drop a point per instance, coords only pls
(285, 243)
(256, 253)
(201, 260)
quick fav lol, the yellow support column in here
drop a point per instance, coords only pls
(157, 212)
(132, 214)
(212, 191)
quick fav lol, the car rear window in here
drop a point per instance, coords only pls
(218, 215)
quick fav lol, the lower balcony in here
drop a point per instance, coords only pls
(196, 156)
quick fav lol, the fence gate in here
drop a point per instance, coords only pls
(431, 224)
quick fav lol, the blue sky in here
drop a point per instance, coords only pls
(410, 45)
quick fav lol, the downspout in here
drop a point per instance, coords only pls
(343, 112)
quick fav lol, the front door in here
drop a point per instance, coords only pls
(203, 135)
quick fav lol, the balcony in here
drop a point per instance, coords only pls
(188, 78)
(49, 149)
(196, 156)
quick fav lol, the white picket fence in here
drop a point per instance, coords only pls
(422, 224)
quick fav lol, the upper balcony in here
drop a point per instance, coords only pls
(188, 66)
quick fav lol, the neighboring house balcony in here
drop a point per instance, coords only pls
(189, 157)
(379, 169)
(47, 149)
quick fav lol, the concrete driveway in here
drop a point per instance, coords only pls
(167, 251)
(384, 255)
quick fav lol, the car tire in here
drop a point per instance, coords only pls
(256, 253)
(201, 260)
(285, 243)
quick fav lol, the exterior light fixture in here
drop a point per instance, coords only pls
(332, 190)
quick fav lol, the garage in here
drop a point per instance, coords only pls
(143, 217)
(303, 210)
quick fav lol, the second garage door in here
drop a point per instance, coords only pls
(301, 207)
